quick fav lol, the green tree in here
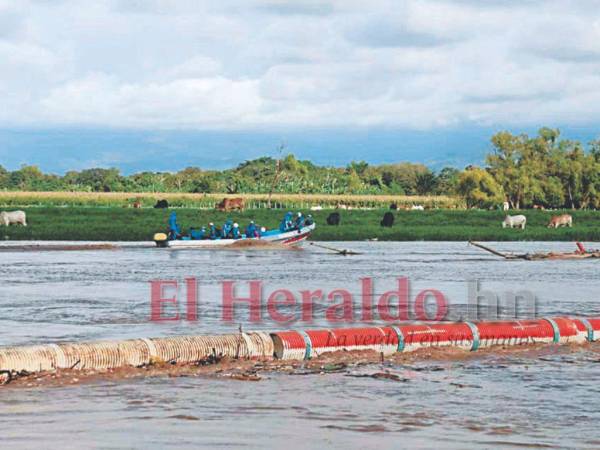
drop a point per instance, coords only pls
(358, 167)
(447, 181)
(4, 177)
(402, 177)
(426, 183)
(148, 181)
(28, 178)
(594, 148)
(506, 165)
(522, 165)
(479, 188)
(101, 180)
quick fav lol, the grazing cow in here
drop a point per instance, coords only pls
(333, 219)
(316, 208)
(417, 208)
(162, 204)
(230, 204)
(539, 207)
(341, 206)
(394, 206)
(564, 220)
(515, 222)
(388, 220)
(16, 217)
(505, 206)
(137, 204)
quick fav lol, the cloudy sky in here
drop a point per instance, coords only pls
(134, 83)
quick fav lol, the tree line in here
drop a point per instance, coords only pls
(543, 170)
(255, 176)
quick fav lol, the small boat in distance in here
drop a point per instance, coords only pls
(288, 237)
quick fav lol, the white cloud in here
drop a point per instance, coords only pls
(256, 64)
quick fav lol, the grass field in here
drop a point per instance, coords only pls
(127, 224)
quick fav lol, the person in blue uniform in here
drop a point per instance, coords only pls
(235, 231)
(226, 230)
(287, 222)
(299, 223)
(174, 231)
(196, 234)
(212, 231)
(251, 231)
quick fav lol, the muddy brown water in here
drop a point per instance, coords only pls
(520, 399)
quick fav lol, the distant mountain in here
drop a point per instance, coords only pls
(60, 150)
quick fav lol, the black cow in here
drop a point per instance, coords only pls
(388, 220)
(333, 219)
(162, 204)
(394, 206)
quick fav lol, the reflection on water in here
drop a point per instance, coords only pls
(52, 296)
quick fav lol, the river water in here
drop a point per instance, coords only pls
(512, 401)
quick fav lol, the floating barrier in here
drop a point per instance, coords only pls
(297, 344)
(134, 353)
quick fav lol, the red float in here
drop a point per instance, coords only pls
(595, 323)
(373, 338)
(421, 335)
(515, 332)
(289, 345)
(569, 331)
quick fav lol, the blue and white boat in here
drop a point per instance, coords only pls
(294, 236)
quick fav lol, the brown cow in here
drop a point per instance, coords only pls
(564, 220)
(230, 204)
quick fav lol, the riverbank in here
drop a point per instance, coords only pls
(97, 223)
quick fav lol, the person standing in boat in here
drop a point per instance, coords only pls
(212, 231)
(235, 231)
(251, 231)
(227, 228)
(287, 222)
(299, 221)
(174, 231)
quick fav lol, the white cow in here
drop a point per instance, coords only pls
(515, 221)
(8, 218)
(505, 206)
(417, 208)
